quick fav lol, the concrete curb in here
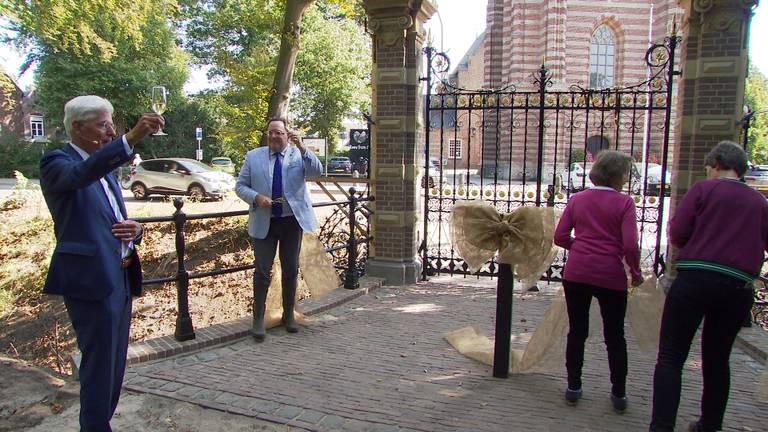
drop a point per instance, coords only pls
(206, 337)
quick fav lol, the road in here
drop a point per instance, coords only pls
(163, 206)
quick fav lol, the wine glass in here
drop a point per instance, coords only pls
(159, 96)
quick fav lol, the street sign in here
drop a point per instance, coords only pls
(199, 154)
(199, 134)
(360, 150)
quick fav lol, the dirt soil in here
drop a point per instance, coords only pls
(36, 328)
(37, 391)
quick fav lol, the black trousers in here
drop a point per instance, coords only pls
(613, 307)
(287, 232)
(722, 302)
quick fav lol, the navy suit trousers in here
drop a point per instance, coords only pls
(102, 328)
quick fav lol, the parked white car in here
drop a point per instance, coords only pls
(179, 177)
(578, 177)
(653, 175)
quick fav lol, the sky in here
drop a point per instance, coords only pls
(453, 29)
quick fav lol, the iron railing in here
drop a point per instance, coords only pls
(345, 252)
(511, 124)
(524, 144)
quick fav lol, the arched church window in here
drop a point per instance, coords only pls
(602, 58)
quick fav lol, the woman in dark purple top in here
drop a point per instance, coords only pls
(603, 220)
(721, 230)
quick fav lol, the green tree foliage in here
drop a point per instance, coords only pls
(21, 155)
(124, 81)
(329, 87)
(756, 97)
(241, 39)
(88, 28)
(117, 49)
(181, 122)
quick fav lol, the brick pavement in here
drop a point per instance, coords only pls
(379, 363)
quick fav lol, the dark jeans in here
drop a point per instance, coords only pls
(613, 307)
(722, 302)
(287, 232)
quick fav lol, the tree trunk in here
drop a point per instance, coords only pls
(289, 49)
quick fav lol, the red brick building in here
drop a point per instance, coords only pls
(590, 43)
(11, 101)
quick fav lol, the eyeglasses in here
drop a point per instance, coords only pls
(104, 125)
(275, 133)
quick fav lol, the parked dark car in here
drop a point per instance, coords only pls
(339, 165)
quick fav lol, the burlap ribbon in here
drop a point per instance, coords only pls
(317, 277)
(522, 238)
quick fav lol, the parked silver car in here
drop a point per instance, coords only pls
(223, 164)
(179, 177)
(757, 177)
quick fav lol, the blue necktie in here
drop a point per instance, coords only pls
(277, 185)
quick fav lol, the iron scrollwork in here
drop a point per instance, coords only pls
(334, 234)
(533, 137)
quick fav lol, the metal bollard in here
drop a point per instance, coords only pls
(504, 287)
(184, 330)
(350, 277)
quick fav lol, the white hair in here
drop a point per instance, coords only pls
(84, 108)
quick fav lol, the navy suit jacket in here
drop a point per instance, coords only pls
(86, 263)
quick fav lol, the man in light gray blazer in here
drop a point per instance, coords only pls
(273, 182)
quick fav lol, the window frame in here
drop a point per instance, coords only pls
(453, 145)
(602, 57)
(36, 122)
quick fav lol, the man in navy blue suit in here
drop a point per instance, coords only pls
(94, 266)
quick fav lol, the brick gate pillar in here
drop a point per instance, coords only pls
(396, 137)
(714, 64)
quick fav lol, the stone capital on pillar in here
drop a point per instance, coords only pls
(398, 34)
(390, 20)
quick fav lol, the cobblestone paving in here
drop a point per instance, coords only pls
(379, 363)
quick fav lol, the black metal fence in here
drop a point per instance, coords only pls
(534, 147)
(347, 245)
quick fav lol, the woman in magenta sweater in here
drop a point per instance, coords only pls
(605, 238)
(721, 230)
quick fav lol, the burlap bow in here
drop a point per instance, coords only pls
(522, 238)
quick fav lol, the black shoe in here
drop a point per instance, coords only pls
(258, 336)
(619, 403)
(257, 329)
(290, 324)
(698, 427)
(572, 396)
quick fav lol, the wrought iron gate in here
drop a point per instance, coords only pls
(533, 147)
